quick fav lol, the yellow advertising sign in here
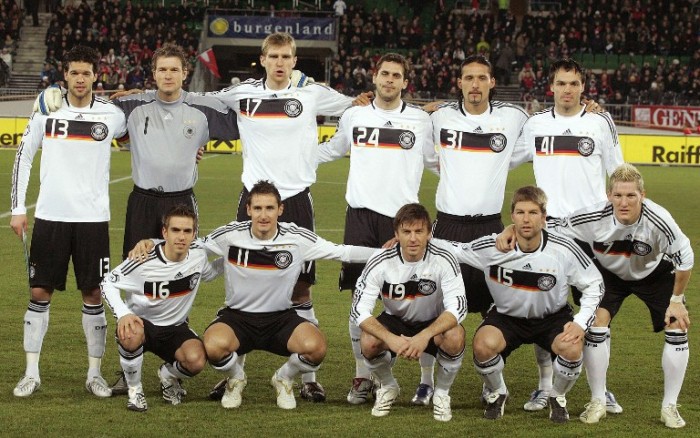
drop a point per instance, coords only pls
(674, 150)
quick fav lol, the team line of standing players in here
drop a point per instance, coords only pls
(474, 142)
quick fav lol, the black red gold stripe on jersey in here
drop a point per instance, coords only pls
(271, 108)
(161, 290)
(472, 141)
(623, 248)
(409, 290)
(564, 145)
(76, 130)
(523, 280)
(259, 259)
(390, 138)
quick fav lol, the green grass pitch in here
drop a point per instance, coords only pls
(62, 407)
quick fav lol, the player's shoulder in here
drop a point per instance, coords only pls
(101, 104)
(292, 230)
(230, 229)
(659, 217)
(201, 99)
(508, 108)
(564, 248)
(542, 115)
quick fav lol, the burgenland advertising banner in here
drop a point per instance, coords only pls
(257, 27)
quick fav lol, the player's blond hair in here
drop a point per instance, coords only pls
(279, 39)
(626, 173)
(530, 194)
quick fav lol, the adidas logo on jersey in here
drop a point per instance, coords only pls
(178, 275)
(414, 277)
(478, 130)
(388, 123)
(628, 237)
(567, 132)
(527, 267)
(168, 116)
(79, 117)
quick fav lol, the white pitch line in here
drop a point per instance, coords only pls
(29, 207)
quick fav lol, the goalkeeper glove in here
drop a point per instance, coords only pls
(49, 100)
(299, 79)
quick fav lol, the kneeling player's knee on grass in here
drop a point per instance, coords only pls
(485, 347)
(195, 360)
(453, 341)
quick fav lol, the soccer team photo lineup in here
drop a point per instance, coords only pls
(371, 135)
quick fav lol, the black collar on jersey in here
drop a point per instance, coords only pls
(403, 106)
(159, 249)
(398, 249)
(65, 97)
(543, 242)
(252, 236)
(466, 114)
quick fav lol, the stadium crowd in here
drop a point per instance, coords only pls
(657, 44)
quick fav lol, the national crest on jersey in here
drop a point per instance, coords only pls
(409, 290)
(623, 248)
(288, 107)
(384, 137)
(564, 145)
(523, 279)
(163, 290)
(472, 141)
(259, 258)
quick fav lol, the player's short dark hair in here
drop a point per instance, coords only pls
(397, 58)
(411, 213)
(180, 210)
(478, 59)
(169, 51)
(264, 187)
(81, 54)
(530, 194)
(566, 64)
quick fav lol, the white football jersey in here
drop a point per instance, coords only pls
(261, 274)
(278, 131)
(76, 152)
(413, 291)
(536, 284)
(475, 153)
(571, 156)
(388, 150)
(157, 289)
(632, 252)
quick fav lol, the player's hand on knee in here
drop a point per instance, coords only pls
(49, 100)
(128, 326)
(573, 333)
(299, 79)
(677, 314)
